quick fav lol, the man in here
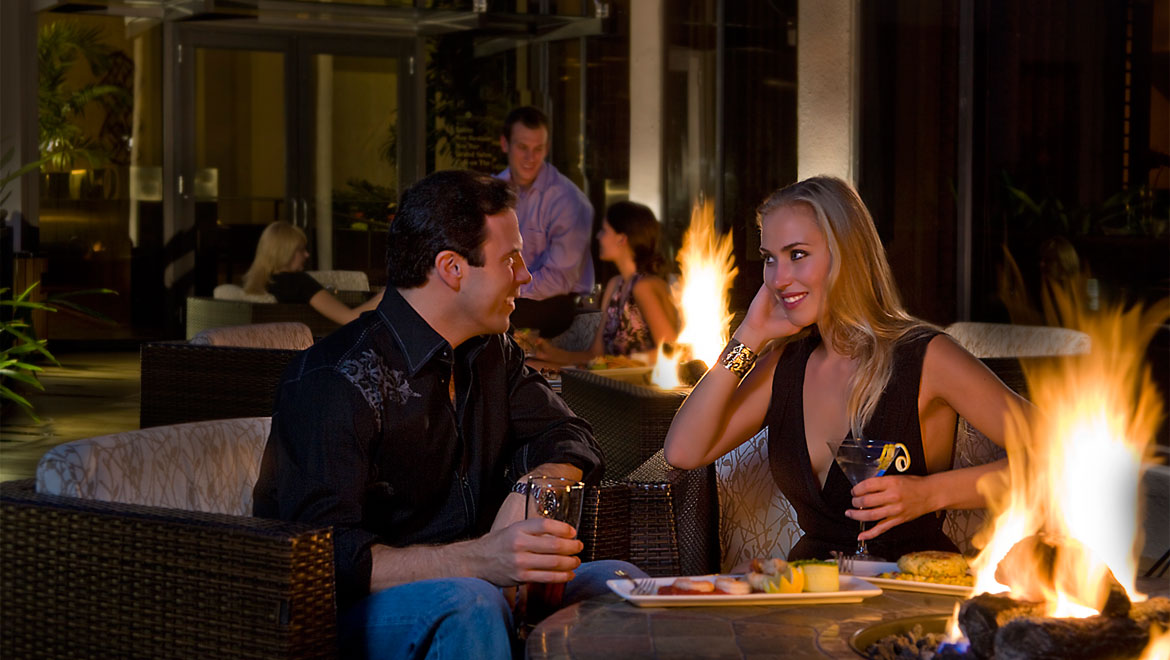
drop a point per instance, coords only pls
(556, 220)
(407, 429)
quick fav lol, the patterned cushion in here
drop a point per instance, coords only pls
(291, 335)
(755, 519)
(342, 280)
(999, 340)
(203, 466)
(236, 292)
(580, 334)
(971, 448)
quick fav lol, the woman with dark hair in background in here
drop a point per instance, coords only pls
(638, 312)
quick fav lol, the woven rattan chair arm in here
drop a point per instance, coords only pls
(605, 522)
(84, 578)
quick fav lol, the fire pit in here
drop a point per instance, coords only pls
(1057, 576)
(999, 626)
(913, 633)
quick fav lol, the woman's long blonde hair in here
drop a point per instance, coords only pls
(278, 243)
(863, 317)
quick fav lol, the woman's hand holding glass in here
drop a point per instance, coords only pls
(892, 500)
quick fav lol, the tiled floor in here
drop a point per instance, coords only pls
(89, 394)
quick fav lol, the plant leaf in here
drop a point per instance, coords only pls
(9, 394)
(22, 377)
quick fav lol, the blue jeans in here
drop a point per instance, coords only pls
(451, 617)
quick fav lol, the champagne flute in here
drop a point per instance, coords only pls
(865, 458)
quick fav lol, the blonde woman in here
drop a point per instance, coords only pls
(638, 312)
(279, 268)
(845, 359)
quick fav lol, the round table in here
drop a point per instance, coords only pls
(609, 628)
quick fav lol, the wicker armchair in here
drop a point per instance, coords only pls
(203, 313)
(184, 382)
(133, 577)
(673, 513)
(146, 551)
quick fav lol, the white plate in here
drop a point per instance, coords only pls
(921, 587)
(866, 569)
(853, 590)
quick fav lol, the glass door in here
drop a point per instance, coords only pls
(238, 140)
(350, 175)
(290, 127)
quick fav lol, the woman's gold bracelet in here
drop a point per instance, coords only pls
(737, 358)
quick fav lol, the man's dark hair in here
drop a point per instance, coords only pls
(444, 211)
(532, 118)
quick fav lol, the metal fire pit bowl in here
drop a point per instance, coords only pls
(871, 634)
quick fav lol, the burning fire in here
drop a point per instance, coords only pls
(1159, 648)
(707, 271)
(1065, 516)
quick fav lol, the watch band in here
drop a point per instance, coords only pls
(520, 487)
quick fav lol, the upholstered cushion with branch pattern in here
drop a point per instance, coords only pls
(206, 466)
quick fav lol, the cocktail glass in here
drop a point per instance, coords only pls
(865, 458)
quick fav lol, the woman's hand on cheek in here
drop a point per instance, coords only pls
(766, 320)
(891, 501)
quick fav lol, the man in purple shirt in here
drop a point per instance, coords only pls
(556, 221)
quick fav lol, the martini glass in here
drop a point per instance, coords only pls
(865, 458)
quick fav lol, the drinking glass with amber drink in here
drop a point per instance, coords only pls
(559, 499)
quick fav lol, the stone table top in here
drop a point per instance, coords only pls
(609, 628)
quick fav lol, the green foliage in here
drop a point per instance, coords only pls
(8, 178)
(364, 203)
(60, 45)
(19, 345)
(463, 92)
(1137, 211)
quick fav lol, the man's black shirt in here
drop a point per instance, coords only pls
(365, 437)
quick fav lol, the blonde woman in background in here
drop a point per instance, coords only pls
(846, 359)
(279, 268)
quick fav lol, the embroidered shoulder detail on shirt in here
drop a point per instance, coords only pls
(377, 383)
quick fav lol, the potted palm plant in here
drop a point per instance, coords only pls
(61, 45)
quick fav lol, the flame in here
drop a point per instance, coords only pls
(1159, 646)
(954, 633)
(707, 268)
(1066, 512)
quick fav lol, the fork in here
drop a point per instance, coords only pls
(642, 586)
(844, 562)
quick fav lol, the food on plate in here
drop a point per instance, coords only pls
(769, 576)
(933, 563)
(687, 587)
(732, 586)
(527, 339)
(775, 576)
(933, 566)
(725, 586)
(820, 575)
(614, 362)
